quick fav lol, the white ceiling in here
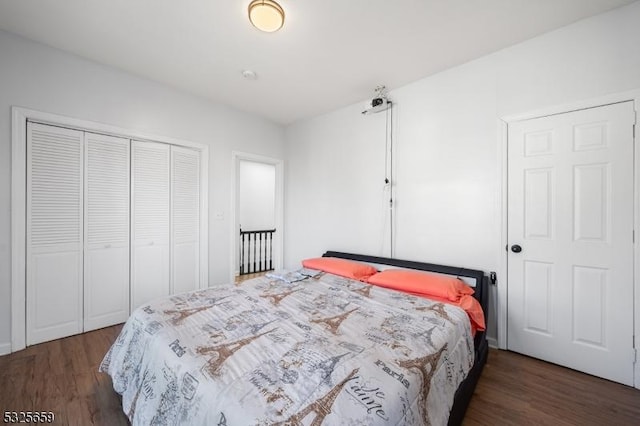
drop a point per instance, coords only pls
(329, 54)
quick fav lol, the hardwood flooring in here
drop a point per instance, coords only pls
(62, 376)
(241, 278)
(518, 390)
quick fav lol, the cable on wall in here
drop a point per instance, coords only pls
(391, 200)
(378, 104)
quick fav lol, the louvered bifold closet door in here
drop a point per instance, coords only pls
(150, 210)
(185, 219)
(54, 232)
(106, 270)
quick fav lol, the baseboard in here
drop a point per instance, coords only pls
(5, 348)
(493, 342)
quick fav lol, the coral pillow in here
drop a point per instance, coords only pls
(422, 284)
(470, 305)
(342, 267)
(474, 310)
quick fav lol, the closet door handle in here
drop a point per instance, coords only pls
(107, 246)
(152, 243)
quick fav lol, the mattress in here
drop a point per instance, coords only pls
(322, 351)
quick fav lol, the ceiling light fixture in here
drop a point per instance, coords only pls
(266, 15)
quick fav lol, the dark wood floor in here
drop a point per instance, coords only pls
(62, 376)
(518, 390)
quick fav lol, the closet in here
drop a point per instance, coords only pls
(111, 224)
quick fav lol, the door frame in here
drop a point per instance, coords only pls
(19, 118)
(503, 124)
(278, 241)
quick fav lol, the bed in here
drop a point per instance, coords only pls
(319, 349)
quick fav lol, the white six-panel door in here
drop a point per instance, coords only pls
(185, 219)
(570, 295)
(106, 236)
(150, 225)
(54, 232)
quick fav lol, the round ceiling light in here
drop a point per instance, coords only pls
(266, 15)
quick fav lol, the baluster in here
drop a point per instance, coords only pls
(260, 252)
(254, 251)
(271, 251)
(241, 252)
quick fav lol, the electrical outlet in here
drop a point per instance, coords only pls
(493, 277)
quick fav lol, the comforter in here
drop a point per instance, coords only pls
(323, 351)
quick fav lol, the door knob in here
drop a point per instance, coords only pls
(516, 248)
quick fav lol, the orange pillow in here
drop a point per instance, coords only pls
(470, 305)
(474, 310)
(421, 283)
(342, 267)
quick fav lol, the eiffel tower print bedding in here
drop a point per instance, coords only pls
(326, 350)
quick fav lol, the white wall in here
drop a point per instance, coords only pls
(257, 195)
(447, 157)
(37, 77)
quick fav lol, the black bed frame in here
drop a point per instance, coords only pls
(465, 390)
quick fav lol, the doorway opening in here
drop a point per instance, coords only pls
(257, 225)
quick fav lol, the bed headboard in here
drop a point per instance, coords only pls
(473, 277)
